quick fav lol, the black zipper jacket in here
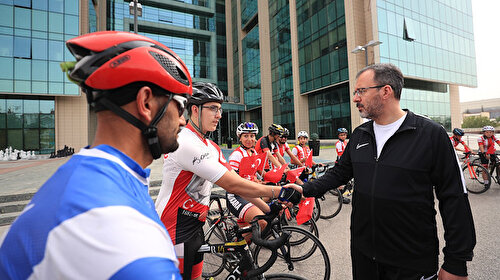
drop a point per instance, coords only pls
(393, 216)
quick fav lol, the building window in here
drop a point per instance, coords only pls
(409, 30)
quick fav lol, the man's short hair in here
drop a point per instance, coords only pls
(386, 74)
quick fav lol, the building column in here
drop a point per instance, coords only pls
(456, 114)
(266, 89)
(361, 27)
(300, 102)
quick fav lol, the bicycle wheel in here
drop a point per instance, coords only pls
(214, 263)
(282, 276)
(474, 176)
(331, 204)
(309, 259)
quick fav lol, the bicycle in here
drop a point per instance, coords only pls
(474, 176)
(301, 246)
(329, 204)
(242, 265)
(491, 167)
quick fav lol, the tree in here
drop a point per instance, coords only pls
(477, 121)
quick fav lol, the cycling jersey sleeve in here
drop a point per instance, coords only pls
(295, 151)
(202, 161)
(265, 145)
(235, 159)
(287, 148)
(340, 148)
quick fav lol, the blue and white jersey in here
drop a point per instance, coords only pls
(93, 219)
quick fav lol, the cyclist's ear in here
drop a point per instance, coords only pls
(144, 104)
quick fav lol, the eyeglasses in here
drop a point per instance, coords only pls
(215, 109)
(361, 91)
(181, 103)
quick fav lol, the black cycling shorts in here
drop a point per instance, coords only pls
(484, 160)
(237, 205)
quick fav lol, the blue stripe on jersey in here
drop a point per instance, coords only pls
(83, 183)
(149, 268)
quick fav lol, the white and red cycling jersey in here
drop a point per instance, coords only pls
(282, 148)
(237, 155)
(340, 146)
(488, 143)
(301, 152)
(455, 142)
(188, 176)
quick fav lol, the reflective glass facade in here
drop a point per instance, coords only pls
(442, 43)
(32, 36)
(431, 40)
(322, 63)
(322, 43)
(248, 10)
(251, 69)
(329, 110)
(27, 123)
(281, 64)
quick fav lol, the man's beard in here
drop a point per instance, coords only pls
(373, 110)
(169, 143)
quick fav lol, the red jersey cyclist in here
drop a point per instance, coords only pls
(302, 151)
(283, 147)
(342, 143)
(189, 174)
(487, 148)
(457, 139)
(245, 208)
(268, 144)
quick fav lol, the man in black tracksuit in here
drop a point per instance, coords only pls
(393, 225)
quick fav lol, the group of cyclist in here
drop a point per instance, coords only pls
(94, 218)
(486, 143)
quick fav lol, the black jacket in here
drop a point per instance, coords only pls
(393, 215)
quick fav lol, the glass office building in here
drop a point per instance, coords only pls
(194, 30)
(323, 65)
(432, 41)
(32, 36)
(312, 67)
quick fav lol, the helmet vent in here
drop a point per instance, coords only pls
(171, 68)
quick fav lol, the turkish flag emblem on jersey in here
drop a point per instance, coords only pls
(250, 165)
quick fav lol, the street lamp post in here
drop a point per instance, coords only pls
(364, 48)
(135, 8)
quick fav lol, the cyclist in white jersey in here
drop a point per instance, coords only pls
(94, 218)
(189, 174)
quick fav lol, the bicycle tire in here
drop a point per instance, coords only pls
(215, 263)
(283, 276)
(313, 264)
(475, 182)
(331, 204)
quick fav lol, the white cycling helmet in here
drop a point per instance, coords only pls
(302, 134)
(246, 127)
(488, 128)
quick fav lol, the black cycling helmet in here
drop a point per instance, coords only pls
(276, 129)
(458, 132)
(342, 130)
(286, 132)
(204, 93)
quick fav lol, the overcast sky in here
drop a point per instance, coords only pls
(485, 14)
